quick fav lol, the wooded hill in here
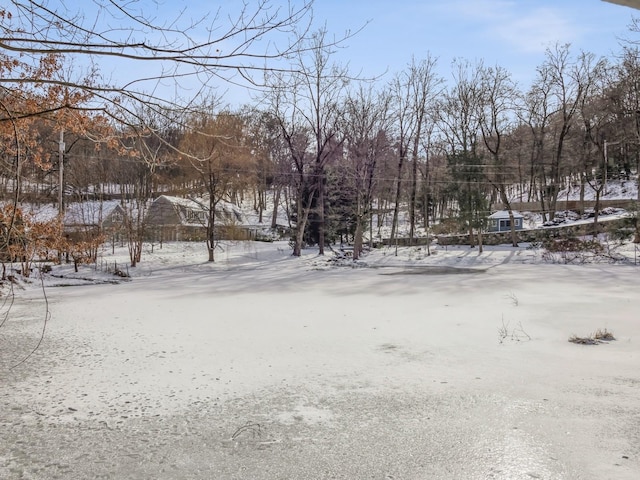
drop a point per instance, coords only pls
(333, 148)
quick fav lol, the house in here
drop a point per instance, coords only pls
(93, 215)
(174, 218)
(500, 221)
(85, 220)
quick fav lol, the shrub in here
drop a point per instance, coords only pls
(448, 226)
(572, 250)
(597, 337)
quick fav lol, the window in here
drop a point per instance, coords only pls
(196, 217)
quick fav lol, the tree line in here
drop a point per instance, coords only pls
(342, 153)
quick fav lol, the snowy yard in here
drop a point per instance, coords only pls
(265, 366)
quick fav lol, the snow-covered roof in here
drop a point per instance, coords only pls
(91, 212)
(183, 202)
(501, 214)
(227, 210)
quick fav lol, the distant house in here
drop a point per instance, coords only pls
(500, 221)
(93, 213)
(175, 218)
(92, 218)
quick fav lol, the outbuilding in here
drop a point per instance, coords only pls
(500, 221)
(175, 218)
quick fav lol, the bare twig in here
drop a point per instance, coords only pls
(515, 334)
(6, 309)
(512, 297)
(47, 316)
(254, 428)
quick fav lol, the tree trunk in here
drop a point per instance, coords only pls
(553, 199)
(276, 201)
(396, 207)
(287, 205)
(543, 208)
(303, 216)
(636, 238)
(211, 232)
(505, 200)
(472, 242)
(211, 246)
(297, 247)
(427, 189)
(320, 208)
(596, 212)
(133, 256)
(261, 204)
(583, 181)
(357, 238)
(412, 199)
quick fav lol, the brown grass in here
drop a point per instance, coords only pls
(597, 337)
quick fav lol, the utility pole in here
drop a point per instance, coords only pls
(61, 148)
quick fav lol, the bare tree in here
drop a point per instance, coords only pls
(297, 140)
(189, 55)
(307, 103)
(495, 114)
(460, 126)
(216, 149)
(625, 99)
(366, 143)
(534, 112)
(57, 58)
(414, 91)
(458, 108)
(425, 86)
(403, 132)
(596, 116)
(262, 136)
(57, 61)
(569, 80)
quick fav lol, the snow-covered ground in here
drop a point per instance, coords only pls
(615, 189)
(266, 366)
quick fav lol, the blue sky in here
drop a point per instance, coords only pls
(511, 33)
